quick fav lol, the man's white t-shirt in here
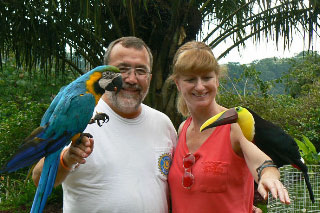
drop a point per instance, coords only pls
(127, 170)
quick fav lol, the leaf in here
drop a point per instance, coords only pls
(302, 147)
(310, 145)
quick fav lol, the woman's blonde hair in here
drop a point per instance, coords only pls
(193, 57)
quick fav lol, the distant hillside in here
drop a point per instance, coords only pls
(268, 69)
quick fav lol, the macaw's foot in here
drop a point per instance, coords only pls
(78, 140)
(99, 117)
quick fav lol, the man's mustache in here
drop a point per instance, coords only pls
(130, 86)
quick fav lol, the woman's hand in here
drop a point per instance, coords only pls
(269, 182)
(256, 210)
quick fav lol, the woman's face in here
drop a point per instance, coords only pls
(198, 90)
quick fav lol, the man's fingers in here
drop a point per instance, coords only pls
(77, 159)
(89, 146)
(91, 141)
(79, 151)
(85, 143)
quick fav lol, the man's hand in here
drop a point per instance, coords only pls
(76, 153)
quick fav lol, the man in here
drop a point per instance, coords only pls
(127, 171)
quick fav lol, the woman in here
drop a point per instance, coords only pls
(213, 170)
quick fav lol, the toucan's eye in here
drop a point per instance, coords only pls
(237, 109)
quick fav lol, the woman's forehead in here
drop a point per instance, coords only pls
(197, 73)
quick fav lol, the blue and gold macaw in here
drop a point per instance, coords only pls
(268, 137)
(65, 120)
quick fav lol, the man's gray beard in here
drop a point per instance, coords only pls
(124, 102)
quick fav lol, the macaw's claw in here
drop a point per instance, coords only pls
(79, 139)
(99, 117)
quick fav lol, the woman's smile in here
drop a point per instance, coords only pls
(200, 95)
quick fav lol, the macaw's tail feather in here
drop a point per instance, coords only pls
(33, 150)
(46, 182)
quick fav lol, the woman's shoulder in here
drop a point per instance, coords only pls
(181, 126)
(188, 120)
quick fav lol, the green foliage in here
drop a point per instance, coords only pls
(263, 207)
(262, 76)
(296, 115)
(24, 99)
(308, 151)
(262, 86)
(299, 115)
(16, 193)
(273, 76)
(289, 113)
(39, 33)
(304, 72)
(19, 118)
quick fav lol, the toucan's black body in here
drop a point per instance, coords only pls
(271, 139)
(279, 146)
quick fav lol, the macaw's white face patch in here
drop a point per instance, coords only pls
(164, 163)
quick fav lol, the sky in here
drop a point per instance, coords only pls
(264, 50)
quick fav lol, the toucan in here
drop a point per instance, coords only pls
(268, 137)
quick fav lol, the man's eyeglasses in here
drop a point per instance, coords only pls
(188, 178)
(139, 72)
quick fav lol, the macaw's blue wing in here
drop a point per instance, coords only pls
(72, 114)
(67, 116)
(50, 110)
(32, 151)
(77, 119)
(64, 123)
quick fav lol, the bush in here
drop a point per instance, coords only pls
(24, 99)
(296, 115)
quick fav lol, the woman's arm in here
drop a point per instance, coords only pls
(254, 157)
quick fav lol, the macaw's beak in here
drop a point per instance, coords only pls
(115, 85)
(226, 117)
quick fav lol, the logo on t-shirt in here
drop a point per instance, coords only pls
(164, 163)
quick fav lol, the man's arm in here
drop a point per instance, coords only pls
(72, 155)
